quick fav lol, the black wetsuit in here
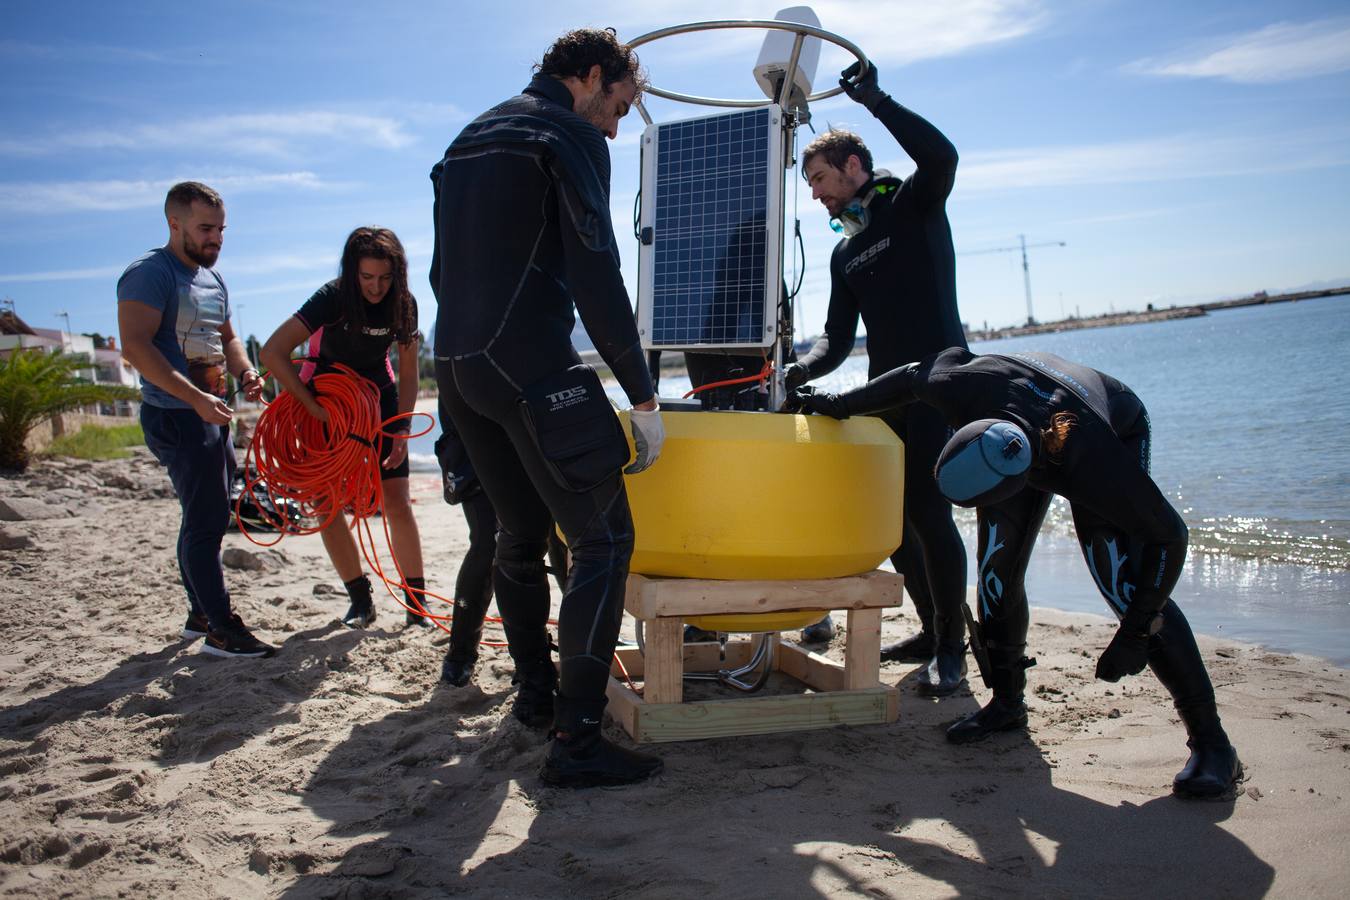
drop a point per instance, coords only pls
(899, 275)
(523, 232)
(1132, 538)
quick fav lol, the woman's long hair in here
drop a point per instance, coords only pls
(376, 243)
(1056, 436)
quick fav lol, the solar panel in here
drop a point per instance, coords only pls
(711, 254)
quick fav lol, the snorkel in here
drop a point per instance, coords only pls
(855, 217)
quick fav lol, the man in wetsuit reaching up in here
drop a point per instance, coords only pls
(523, 233)
(895, 268)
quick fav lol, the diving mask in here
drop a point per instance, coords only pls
(855, 217)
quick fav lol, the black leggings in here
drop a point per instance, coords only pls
(473, 585)
(932, 556)
(597, 524)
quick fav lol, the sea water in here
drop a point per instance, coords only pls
(1251, 443)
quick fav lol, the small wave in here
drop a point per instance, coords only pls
(1323, 544)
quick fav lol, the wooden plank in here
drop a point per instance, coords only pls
(697, 658)
(664, 677)
(632, 663)
(665, 722)
(812, 669)
(624, 707)
(649, 598)
(862, 649)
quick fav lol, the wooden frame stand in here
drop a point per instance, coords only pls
(848, 694)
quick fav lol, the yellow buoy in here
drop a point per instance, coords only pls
(746, 495)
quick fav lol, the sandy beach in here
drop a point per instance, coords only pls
(131, 765)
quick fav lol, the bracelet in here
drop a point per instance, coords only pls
(243, 374)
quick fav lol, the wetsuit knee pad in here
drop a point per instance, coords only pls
(573, 425)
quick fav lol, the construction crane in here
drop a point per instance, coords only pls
(1022, 245)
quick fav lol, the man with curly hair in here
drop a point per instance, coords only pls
(523, 233)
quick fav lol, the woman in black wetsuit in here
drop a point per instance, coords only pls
(354, 320)
(1032, 425)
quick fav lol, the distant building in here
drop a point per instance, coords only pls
(105, 366)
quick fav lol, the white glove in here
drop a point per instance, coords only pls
(648, 436)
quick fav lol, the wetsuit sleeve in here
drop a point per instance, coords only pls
(934, 155)
(320, 309)
(894, 388)
(597, 289)
(1110, 482)
(434, 275)
(841, 326)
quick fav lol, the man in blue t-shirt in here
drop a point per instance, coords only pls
(173, 312)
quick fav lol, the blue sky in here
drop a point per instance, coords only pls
(1183, 151)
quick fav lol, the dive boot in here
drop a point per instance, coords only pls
(361, 612)
(999, 714)
(588, 760)
(534, 697)
(1213, 770)
(945, 673)
(915, 648)
(415, 595)
(458, 672)
(1212, 773)
(466, 630)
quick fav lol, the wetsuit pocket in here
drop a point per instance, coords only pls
(575, 428)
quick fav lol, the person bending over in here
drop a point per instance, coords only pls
(895, 268)
(354, 320)
(1031, 425)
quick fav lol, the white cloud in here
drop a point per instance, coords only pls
(109, 195)
(1279, 52)
(259, 134)
(1153, 159)
(97, 274)
(889, 31)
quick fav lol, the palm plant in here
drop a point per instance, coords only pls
(34, 386)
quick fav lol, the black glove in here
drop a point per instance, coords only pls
(822, 402)
(794, 376)
(865, 89)
(1127, 654)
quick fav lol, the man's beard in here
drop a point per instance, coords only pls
(199, 254)
(593, 109)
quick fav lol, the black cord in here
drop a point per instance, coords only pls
(637, 215)
(801, 249)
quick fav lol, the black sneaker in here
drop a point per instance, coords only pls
(359, 615)
(821, 632)
(195, 627)
(235, 640)
(695, 635)
(915, 648)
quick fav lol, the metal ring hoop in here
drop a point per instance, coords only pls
(796, 27)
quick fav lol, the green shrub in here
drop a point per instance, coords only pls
(34, 386)
(98, 442)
